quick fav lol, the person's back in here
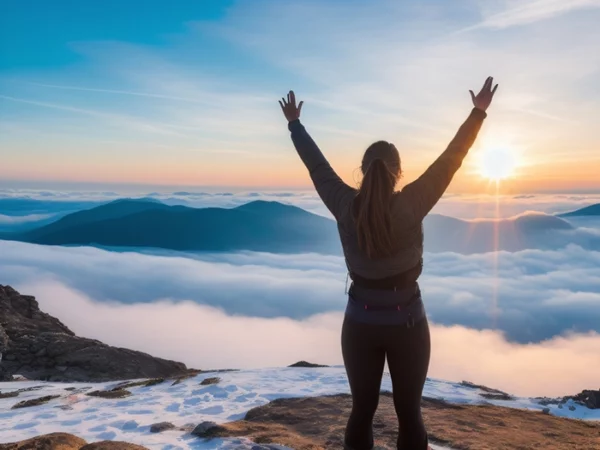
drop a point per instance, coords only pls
(382, 238)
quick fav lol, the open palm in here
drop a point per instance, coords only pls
(289, 108)
(484, 98)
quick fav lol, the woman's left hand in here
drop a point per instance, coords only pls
(289, 108)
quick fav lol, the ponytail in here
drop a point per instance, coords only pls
(372, 210)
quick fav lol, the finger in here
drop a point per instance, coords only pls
(281, 104)
(284, 102)
(300, 106)
(288, 96)
(292, 98)
(486, 84)
(472, 95)
(494, 90)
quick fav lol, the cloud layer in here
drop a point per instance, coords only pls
(454, 205)
(205, 337)
(530, 295)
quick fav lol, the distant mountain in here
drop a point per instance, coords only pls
(592, 210)
(278, 228)
(531, 230)
(113, 210)
(21, 214)
(256, 226)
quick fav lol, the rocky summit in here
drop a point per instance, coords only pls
(38, 346)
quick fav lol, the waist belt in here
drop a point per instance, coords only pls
(395, 282)
(408, 315)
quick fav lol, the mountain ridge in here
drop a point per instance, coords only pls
(591, 210)
(275, 227)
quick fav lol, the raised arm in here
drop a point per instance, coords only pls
(425, 192)
(333, 191)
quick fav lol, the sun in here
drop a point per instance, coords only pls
(497, 163)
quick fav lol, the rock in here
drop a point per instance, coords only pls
(319, 423)
(202, 430)
(305, 364)
(497, 396)
(187, 428)
(32, 388)
(161, 426)
(191, 374)
(588, 398)
(52, 441)
(9, 394)
(39, 346)
(490, 393)
(65, 441)
(572, 408)
(210, 380)
(35, 401)
(130, 384)
(112, 445)
(4, 375)
(116, 393)
(546, 411)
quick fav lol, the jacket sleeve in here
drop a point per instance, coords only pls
(425, 191)
(333, 191)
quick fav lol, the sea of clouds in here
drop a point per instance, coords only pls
(459, 206)
(507, 322)
(507, 319)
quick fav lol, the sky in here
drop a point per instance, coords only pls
(185, 93)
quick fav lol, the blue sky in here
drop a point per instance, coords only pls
(185, 92)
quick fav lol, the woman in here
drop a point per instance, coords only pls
(382, 238)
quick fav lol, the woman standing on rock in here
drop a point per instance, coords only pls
(382, 237)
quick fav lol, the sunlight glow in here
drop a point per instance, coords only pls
(497, 163)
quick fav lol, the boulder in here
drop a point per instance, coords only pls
(112, 445)
(52, 441)
(115, 393)
(66, 441)
(35, 401)
(9, 394)
(589, 398)
(305, 364)
(39, 346)
(204, 429)
(161, 426)
(210, 380)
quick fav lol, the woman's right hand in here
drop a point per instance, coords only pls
(289, 108)
(483, 100)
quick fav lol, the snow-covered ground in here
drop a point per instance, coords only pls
(129, 419)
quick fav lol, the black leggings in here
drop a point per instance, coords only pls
(365, 347)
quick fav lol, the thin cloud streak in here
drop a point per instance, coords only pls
(530, 11)
(116, 91)
(114, 118)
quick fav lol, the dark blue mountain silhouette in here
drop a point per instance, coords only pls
(255, 226)
(592, 210)
(278, 228)
(47, 211)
